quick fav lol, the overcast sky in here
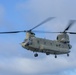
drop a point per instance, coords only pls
(25, 14)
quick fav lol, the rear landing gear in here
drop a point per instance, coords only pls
(68, 55)
(36, 55)
(47, 53)
(55, 56)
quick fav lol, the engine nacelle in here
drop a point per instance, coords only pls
(63, 37)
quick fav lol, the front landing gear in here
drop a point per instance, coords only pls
(36, 55)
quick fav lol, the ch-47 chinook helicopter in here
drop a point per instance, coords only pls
(56, 47)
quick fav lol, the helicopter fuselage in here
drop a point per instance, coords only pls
(46, 46)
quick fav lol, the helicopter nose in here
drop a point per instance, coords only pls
(24, 44)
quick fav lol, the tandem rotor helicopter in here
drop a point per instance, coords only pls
(56, 47)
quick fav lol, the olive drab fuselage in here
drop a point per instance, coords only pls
(35, 44)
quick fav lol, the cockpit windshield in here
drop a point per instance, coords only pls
(27, 41)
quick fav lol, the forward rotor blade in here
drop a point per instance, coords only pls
(48, 19)
(10, 32)
(69, 25)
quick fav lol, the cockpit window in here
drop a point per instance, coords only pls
(27, 41)
(38, 41)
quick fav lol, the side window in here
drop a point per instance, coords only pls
(50, 43)
(44, 42)
(31, 41)
(57, 45)
(38, 41)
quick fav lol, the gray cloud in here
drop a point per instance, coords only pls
(47, 65)
(58, 8)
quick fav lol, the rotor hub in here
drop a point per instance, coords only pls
(63, 37)
(29, 35)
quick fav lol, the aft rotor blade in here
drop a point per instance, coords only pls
(69, 25)
(54, 32)
(71, 32)
(10, 32)
(48, 19)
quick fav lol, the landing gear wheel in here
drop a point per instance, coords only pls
(55, 56)
(36, 55)
(68, 55)
(47, 53)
